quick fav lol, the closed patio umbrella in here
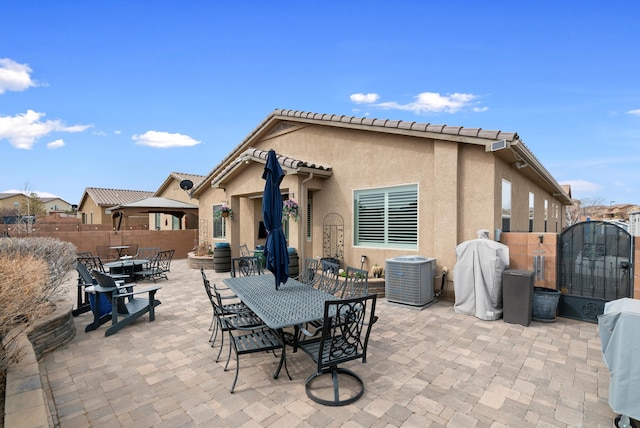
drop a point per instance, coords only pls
(275, 249)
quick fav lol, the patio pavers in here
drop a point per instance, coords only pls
(428, 367)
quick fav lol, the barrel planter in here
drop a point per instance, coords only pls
(293, 262)
(222, 257)
(544, 304)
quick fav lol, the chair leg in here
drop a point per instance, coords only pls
(237, 370)
(334, 371)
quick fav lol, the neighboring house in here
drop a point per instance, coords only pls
(10, 203)
(95, 203)
(171, 189)
(56, 205)
(373, 189)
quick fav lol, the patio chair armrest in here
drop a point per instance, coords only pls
(304, 331)
(233, 326)
(140, 291)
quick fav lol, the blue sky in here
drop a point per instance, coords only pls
(119, 94)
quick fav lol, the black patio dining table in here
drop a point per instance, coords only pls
(293, 303)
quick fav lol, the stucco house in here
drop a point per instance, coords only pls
(95, 203)
(52, 205)
(381, 188)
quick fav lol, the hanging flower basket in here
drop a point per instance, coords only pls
(290, 210)
(224, 211)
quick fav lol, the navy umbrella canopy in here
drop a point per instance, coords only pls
(275, 249)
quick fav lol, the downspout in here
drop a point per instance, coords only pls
(302, 230)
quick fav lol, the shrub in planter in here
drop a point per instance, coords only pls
(32, 271)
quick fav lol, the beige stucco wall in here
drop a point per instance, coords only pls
(94, 213)
(459, 188)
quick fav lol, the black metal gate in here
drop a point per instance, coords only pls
(595, 266)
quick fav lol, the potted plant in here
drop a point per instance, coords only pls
(224, 211)
(290, 209)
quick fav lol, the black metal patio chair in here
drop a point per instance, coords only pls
(246, 266)
(345, 336)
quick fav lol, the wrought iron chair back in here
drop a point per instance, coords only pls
(309, 272)
(356, 283)
(345, 336)
(164, 261)
(246, 266)
(329, 280)
(91, 263)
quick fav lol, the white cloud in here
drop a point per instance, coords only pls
(364, 98)
(40, 194)
(99, 133)
(634, 112)
(432, 102)
(480, 109)
(582, 186)
(55, 144)
(14, 77)
(23, 130)
(164, 140)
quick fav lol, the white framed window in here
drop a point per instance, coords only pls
(386, 217)
(531, 210)
(219, 224)
(506, 206)
(309, 216)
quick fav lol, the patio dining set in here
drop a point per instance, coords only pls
(327, 316)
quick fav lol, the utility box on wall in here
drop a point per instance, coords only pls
(409, 280)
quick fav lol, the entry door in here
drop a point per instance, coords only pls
(596, 266)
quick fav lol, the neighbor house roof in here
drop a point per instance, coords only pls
(111, 197)
(514, 150)
(179, 177)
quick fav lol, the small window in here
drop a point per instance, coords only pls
(219, 224)
(506, 206)
(309, 216)
(531, 210)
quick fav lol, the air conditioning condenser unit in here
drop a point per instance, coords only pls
(409, 280)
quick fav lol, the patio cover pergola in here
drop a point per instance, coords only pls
(153, 205)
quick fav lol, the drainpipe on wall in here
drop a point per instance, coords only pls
(302, 236)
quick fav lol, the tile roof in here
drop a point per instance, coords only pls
(288, 164)
(386, 124)
(111, 197)
(195, 178)
(459, 134)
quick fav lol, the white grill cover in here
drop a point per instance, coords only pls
(619, 328)
(477, 277)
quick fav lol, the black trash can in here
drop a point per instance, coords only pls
(517, 296)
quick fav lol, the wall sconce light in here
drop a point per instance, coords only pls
(362, 259)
